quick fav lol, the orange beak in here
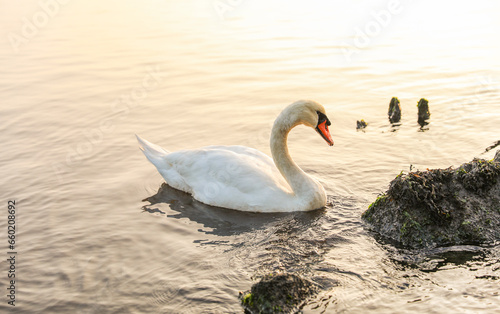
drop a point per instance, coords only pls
(322, 129)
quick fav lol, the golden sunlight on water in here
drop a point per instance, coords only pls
(79, 78)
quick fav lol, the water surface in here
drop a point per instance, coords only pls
(186, 74)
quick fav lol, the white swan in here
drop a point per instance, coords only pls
(243, 178)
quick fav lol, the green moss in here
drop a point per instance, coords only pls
(409, 224)
(247, 299)
(367, 215)
(403, 228)
(377, 202)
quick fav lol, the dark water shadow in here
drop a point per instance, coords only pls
(424, 125)
(220, 221)
(394, 127)
(433, 259)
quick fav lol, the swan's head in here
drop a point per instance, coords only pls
(311, 114)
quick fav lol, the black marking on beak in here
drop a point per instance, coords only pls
(322, 117)
(324, 123)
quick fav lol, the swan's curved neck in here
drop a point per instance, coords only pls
(298, 180)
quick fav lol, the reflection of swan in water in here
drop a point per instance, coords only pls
(243, 178)
(221, 221)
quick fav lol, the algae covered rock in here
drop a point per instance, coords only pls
(361, 124)
(441, 207)
(278, 293)
(423, 111)
(394, 112)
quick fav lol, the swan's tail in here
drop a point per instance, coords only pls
(154, 153)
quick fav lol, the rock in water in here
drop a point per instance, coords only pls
(278, 293)
(441, 207)
(361, 124)
(423, 111)
(394, 110)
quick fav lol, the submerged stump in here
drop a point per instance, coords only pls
(278, 293)
(394, 112)
(441, 207)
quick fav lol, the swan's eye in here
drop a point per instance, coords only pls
(322, 117)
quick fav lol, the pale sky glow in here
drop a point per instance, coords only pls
(445, 28)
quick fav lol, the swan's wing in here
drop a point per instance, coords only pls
(227, 176)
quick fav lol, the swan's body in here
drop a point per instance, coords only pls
(243, 178)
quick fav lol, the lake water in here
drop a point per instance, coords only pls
(79, 78)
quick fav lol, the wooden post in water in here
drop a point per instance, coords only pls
(394, 112)
(423, 111)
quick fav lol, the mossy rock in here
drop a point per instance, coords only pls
(394, 111)
(361, 124)
(423, 111)
(441, 207)
(278, 293)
